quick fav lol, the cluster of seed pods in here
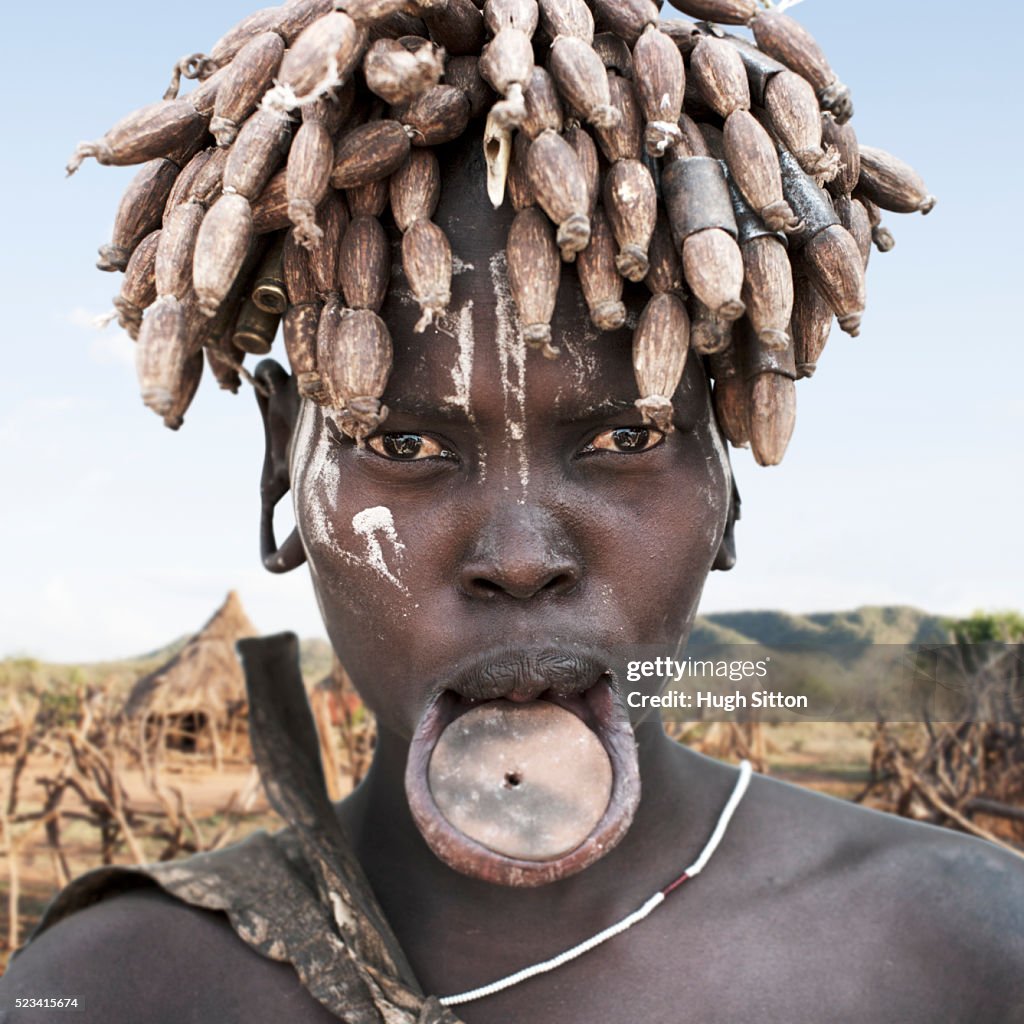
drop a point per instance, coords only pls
(720, 170)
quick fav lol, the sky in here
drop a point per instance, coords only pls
(903, 482)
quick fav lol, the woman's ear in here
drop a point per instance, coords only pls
(278, 400)
(726, 557)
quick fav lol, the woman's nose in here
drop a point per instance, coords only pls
(522, 553)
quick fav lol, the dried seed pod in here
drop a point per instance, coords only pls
(732, 406)
(713, 267)
(614, 54)
(138, 287)
(759, 67)
(323, 253)
(685, 34)
(163, 350)
(660, 345)
(835, 265)
(624, 139)
(415, 188)
(793, 112)
(599, 277)
(768, 289)
(366, 12)
(771, 375)
(567, 18)
(270, 210)
(182, 187)
(322, 57)
(517, 14)
(788, 41)
(543, 108)
(269, 291)
(203, 98)
(520, 191)
(427, 262)
(160, 130)
(255, 329)
(722, 12)
(693, 142)
(334, 109)
(176, 251)
(660, 84)
(224, 361)
(372, 151)
(556, 180)
(259, 148)
(854, 217)
(880, 234)
(299, 283)
(810, 326)
(457, 25)
(754, 166)
(247, 78)
(221, 247)
(718, 73)
(892, 184)
(139, 212)
(354, 358)
(368, 200)
(208, 182)
(631, 202)
(185, 391)
(397, 74)
(308, 176)
(498, 154)
(438, 116)
(844, 139)
(506, 65)
(709, 334)
(288, 21)
(534, 270)
(666, 272)
(582, 80)
(586, 153)
(627, 18)
(299, 328)
(364, 264)
(464, 74)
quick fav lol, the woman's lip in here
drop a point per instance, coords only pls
(600, 709)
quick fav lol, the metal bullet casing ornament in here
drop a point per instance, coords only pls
(354, 359)
(161, 129)
(246, 80)
(792, 110)
(138, 287)
(269, 291)
(397, 74)
(660, 345)
(599, 277)
(139, 212)
(557, 183)
(364, 264)
(221, 247)
(255, 328)
(567, 18)
(427, 262)
(704, 227)
(660, 80)
(582, 80)
(754, 166)
(788, 41)
(722, 12)
(892, 184)
(534, 270)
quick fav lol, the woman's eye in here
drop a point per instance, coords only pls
(626, 439)
(408, 447)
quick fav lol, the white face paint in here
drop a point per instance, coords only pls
(512, 358)
(371, 524)
(462, 370)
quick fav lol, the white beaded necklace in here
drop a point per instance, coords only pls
(627, 922)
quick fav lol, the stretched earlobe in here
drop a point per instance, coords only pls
(278, 401)
(726, 557)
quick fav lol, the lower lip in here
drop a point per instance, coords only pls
(506, 810)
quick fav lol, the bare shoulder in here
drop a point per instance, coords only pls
(949, 906)
(146, 956)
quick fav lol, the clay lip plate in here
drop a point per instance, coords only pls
(575, 681)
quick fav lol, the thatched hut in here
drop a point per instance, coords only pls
(197, 702)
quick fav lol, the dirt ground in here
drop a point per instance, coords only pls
(828, 757)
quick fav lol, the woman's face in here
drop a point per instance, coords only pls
(511, 507)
